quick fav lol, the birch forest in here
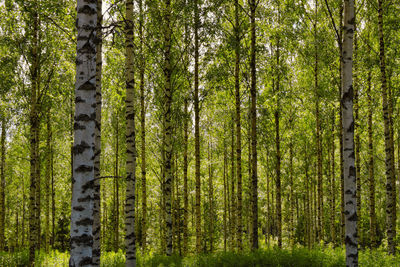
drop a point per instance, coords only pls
(199, 133)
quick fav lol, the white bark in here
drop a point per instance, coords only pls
(130, 238)
(349, 169)
(84, 136)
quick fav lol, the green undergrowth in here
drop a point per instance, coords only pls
(298, 257)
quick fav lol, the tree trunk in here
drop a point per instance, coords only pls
(308, 199)
(226, 195)
(238, 130)
(233, 182)
(278, 151)
(350, 189)
(333, 183)
(116, 187)
(53, 201)
(371, 178)
(342, 219)
(2, 181)
(143, 127)
(211, 198)
(320, 208)
(34, 128)
(253, 115)
(23, 215)
(185, 179)
(291, 196)
(389, 153)
(168, 125)
(357, 130)
(130, 220)
(38, 182)
(97, 142)
(197, 125)
(47, 183)
(84, 137)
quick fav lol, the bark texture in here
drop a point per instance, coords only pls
(185, 180)
(2, 181)
(97, 142)
(350, 190)
(197, 126)
(253, 118)
(168, 125)
(34, 134)
(238, 130)
(371, 177)
(130, 220)
(142, 126)
(84, 136)
(389, 145)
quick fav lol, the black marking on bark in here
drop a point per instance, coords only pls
(352, 171)
(88, 185)
(85, 222)
(78, 126)
(87, 86)
(82, 38)
(84, 239)
(79, 99)
(349, 241)
(85, 117)
(80, 148)
(353, 217)
(351, 128)
(84, 168)
(85, 261)
(347, 96)
(84, 199)
(87, 48)
(87, 10)
(79, 208)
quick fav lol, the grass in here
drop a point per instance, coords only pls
(298, 257)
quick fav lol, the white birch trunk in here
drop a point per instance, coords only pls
(84, 136)
(130, 238)
(350, 199)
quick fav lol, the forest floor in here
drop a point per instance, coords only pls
(299, 257)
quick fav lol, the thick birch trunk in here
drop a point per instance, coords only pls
(350, 190)
(84, 136)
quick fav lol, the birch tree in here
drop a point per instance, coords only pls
(130, 235)
(350, 199)
(84, 136)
